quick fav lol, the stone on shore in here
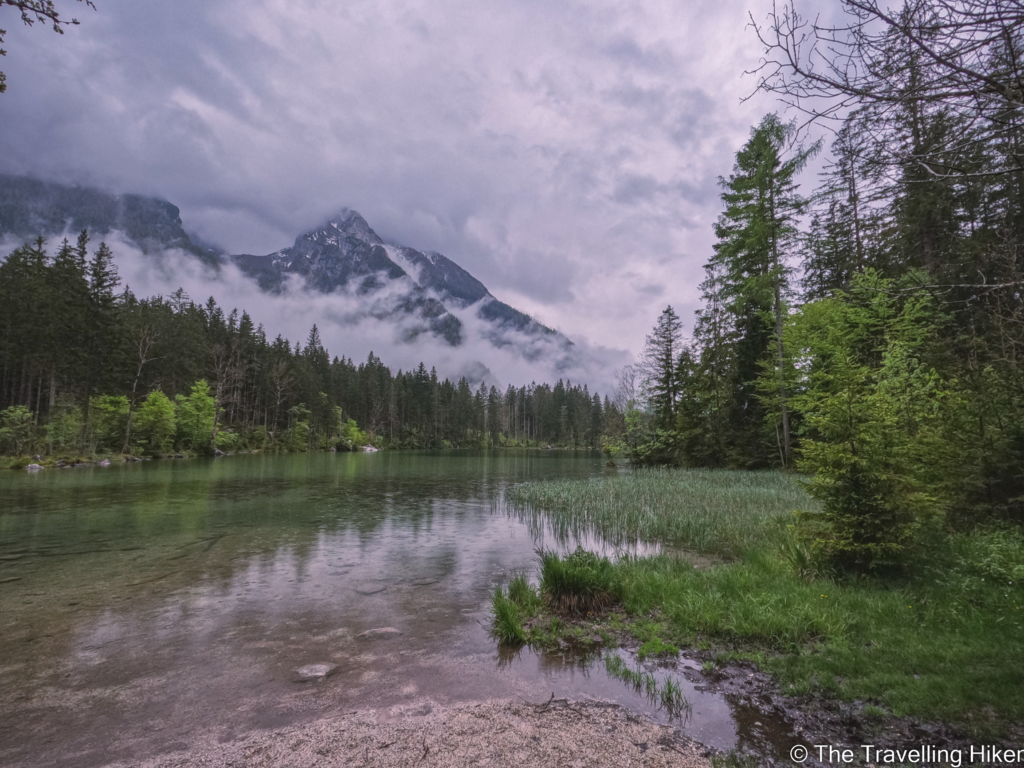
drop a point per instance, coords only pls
(380, 633)
(314, 672)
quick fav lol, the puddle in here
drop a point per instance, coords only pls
(216, 581)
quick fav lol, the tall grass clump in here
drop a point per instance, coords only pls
(580, 582)
(714, 511)
(513, 606)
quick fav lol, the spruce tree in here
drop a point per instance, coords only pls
(757, 234)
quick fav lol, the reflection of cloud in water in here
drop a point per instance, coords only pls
(219, 578)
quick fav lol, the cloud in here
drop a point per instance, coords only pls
(354, 325)
(549, 148)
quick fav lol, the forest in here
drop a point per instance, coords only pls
(86, 369)
(869, 333)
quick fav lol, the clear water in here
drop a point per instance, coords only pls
(143, 606)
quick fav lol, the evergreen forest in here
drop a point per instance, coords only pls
(107, 372)
(868, 332)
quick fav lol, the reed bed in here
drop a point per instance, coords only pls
(719, 512)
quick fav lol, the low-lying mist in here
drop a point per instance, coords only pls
(353, 324)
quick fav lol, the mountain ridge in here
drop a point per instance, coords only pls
(419, 289)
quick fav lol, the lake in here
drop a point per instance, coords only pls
(144, 605)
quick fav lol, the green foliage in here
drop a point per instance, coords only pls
(524, 594)
(660, 364)
(932, 645)
(228, 440)
(508, 618)
(153, 424)
(109, 421)
(194, 415)
(64, 432)
(580, 582)
(17, 429)
(869, 407)
(350, 436)
(656, 647)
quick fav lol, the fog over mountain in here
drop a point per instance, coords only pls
(564, 154)
(364, 293)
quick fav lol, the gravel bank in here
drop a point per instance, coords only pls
(503, 733)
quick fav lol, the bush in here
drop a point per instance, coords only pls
(194, 416)
(65, 428)
(154, 423)
(109, 420)
(17, 429)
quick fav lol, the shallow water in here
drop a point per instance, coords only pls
(147, 605)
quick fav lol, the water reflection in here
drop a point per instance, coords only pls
(148, 604)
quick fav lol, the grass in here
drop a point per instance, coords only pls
(714, 511)
(669, 693)
(939, 641)
(577, 583)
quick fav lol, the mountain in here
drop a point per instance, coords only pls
(30, 208)
(421, 292)
(345, 253)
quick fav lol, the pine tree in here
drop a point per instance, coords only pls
(660, 368)
(757, 232)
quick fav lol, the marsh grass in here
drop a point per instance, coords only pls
(577, 583)
(713, 511)
(669, 693)
(512, 606)
(508, 620)
(939, 641)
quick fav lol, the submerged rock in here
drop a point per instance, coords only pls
(103, 463)
(314, 672)
(381, 633)
(371, 588)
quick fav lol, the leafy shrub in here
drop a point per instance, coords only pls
(109, 420)
(194, 415)
(154, 423)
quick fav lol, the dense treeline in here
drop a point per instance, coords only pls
(86, 368)
(872, 333)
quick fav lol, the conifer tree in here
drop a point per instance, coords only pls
(756, 236)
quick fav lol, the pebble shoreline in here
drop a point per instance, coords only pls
(497, 733)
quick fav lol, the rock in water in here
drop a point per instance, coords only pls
(33, 468)
(314, 672)
(371, 588)
(369, 449)
(381, 633)
(103, 463)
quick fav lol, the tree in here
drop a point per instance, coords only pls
(871, 409)
(194, 416)
(660, 368)
(42, 11)
(756, 234)
(965, 55)
(154, 423)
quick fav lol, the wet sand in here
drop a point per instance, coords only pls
(496, 733)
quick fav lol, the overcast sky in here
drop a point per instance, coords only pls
(565, 153)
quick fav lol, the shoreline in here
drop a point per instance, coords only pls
(508, 732)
